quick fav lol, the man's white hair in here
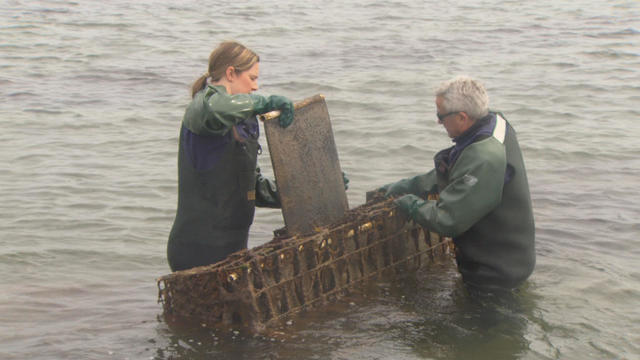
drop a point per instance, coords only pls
(465, 94)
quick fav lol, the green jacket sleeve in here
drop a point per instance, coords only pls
(474, 189)
(213, 112)
(417, 185)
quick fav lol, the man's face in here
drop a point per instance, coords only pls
(449, 120)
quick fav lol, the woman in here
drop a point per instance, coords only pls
(219, 184)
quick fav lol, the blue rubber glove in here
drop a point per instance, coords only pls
(408, 205)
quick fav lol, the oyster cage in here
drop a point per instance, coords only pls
(259, 287)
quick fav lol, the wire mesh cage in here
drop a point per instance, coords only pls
(260, 287)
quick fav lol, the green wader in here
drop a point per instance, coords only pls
(215, 206)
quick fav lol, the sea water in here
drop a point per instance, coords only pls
(91, 98)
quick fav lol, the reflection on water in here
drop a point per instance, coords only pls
(429, 314)
(480, 325)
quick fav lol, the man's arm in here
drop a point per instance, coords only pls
(475, 189)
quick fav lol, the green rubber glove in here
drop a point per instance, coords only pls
(286, 109)
(263, 105)
(266, 192)
(345, 179)
(396, 188)
(377, 193)
(408, 205)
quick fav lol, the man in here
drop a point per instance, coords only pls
(483, 198)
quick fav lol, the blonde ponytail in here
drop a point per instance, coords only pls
(198, 85)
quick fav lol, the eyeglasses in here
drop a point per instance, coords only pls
(443, 116)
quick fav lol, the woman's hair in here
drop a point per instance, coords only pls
(228, 53)
(465, 94)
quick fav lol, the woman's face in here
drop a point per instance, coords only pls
(244, 82)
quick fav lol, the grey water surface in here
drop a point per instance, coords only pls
(91, 98)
